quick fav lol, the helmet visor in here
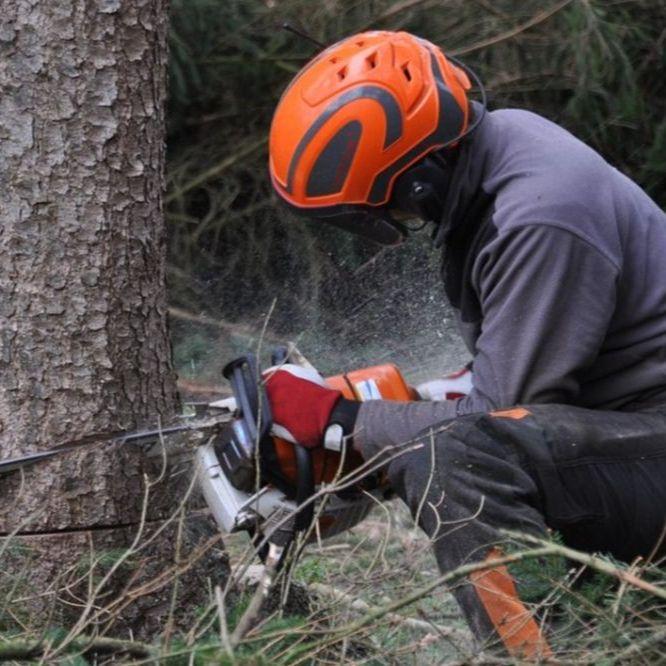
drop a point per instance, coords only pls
(375, 224)
(376, 227)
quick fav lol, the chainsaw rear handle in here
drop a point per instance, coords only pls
(305, 487)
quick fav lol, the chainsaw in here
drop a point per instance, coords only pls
(255, 481)
(272, 488)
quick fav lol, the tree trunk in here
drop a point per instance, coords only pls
(83, 332)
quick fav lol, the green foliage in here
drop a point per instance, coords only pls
(598, 615)
(537, 577)
(311, 570)
(591, 616)
(597, 67)
(618, 100)
(191, 354)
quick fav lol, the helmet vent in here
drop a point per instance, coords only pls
(371, 60)
(360, 43)
(406, 72)
(342, 74)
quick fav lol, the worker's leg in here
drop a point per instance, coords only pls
(597, 477)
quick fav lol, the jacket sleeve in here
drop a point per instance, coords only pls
(546, 298)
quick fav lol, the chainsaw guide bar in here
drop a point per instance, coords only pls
(146, 438)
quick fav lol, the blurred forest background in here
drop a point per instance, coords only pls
(598, 67)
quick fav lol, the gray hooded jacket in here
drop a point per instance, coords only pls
(555, 264)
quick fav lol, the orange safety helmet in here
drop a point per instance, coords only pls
(358, 116)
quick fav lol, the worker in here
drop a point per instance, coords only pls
(555, 265)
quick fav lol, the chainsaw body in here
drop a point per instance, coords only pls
(256, 482)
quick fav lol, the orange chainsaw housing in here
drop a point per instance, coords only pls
(380, 382)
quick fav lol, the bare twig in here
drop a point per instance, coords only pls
(235, 329)
(426, 491)
(393, 10)
(514, 32)
(593, 562)
(20, 650)
(249, 617)
(359, 605)
(635, 570)
(216, 170)
(170, 621)
(222, 615)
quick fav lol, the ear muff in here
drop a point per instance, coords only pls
(421, 190)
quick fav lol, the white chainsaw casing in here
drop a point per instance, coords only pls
(269, 509)
(234, 509)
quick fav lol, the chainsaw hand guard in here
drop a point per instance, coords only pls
(250, 433)
(254, 480)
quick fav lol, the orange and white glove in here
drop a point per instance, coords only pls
(450, 387)
(304, 407)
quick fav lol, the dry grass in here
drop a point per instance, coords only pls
(370, 596)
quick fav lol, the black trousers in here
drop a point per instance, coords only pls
(597, 477)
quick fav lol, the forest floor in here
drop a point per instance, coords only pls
(379, 561)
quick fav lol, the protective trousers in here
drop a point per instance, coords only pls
(597, 477)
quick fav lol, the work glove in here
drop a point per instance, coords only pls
(450, 387)
(305, 410)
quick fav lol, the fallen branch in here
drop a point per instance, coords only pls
(20, 650)
(235, 329)
(359, 605)
(217, 169)
(337, 634)
(593, 562)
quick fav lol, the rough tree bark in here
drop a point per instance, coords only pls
(83, 335)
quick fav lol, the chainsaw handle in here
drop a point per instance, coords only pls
(305, 487)
(243, 375)
(252, 401)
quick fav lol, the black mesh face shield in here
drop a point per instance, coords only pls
(375, 224)
(418, 194)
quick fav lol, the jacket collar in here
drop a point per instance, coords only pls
(467, 179)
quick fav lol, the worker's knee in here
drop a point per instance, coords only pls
(466, 470)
